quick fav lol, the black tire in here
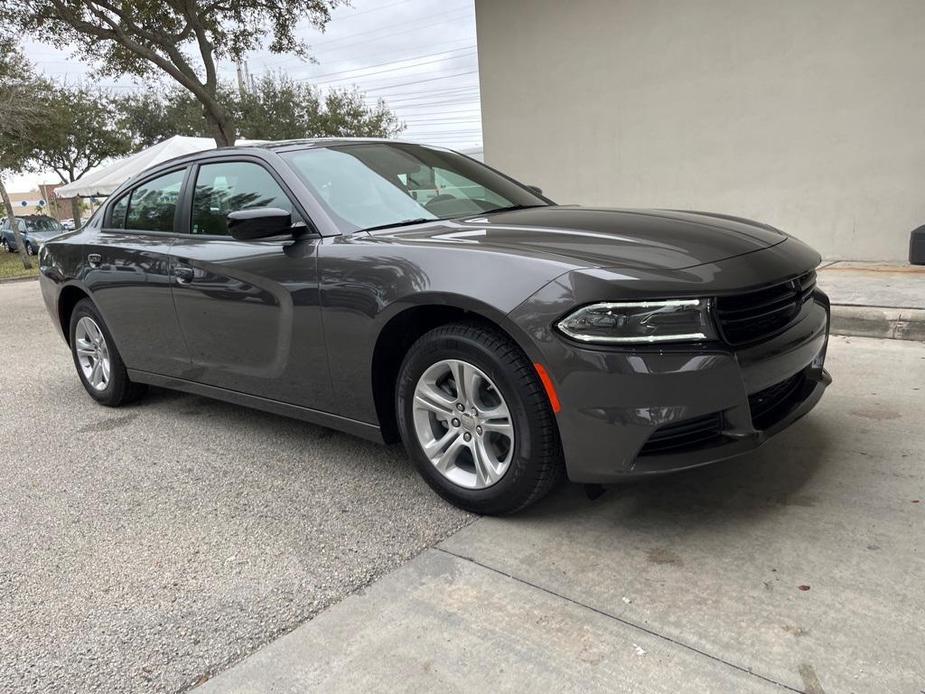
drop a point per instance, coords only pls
(537, 463)
(120, 390)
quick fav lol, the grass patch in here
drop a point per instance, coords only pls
(11, 266)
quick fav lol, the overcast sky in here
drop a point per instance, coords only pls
(418, 55)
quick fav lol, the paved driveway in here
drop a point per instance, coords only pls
(798, 568)
(144, 547)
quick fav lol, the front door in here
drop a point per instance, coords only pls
(249, 310)
(127, 273)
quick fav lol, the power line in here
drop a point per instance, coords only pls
(317, 78)
(434, 95)
(381, 31)
(391, 54)
(475, 110)
(431, 79)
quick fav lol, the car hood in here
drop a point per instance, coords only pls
(602, 237)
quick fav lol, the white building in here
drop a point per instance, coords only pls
(806, 114)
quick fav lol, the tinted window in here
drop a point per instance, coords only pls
(153, 204)
(117, 217)
(376, 184)
(231, 186)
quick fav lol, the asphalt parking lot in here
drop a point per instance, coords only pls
(150, 548)
(144, 548)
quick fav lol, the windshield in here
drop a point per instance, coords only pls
(43, 224)
(365, 186)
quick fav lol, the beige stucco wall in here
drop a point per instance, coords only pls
(806, 114)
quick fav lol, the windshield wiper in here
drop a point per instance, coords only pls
(511, 208)
(402, 223)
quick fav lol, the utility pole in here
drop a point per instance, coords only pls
(245, 81)
(240, 69)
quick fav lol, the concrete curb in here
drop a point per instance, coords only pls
(10, 280)
(879, 322)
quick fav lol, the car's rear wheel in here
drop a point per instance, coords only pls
(4, 246)
(476, 421)
(97, 359)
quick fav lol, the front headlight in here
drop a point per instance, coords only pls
(640, 322)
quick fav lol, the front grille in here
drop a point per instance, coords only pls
(696, 432)
(747, 318)
(770, 405)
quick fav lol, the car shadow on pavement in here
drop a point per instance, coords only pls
(266, 424)
(732, 491)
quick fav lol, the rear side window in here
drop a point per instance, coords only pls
(231, 186)
(152, 206)
(117, 216)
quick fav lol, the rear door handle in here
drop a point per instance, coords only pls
(183, 274)
(94, 259)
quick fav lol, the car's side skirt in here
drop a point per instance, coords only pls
(364, 430)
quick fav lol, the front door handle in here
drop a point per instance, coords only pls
(94, 259)
(183, 274)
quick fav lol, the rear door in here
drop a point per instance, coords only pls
(249, 310)
(128, 274)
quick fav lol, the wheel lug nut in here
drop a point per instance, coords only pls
(478, 430)
(467, 436)
(455, 422)
(460, 406)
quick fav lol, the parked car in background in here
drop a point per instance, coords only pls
(34, 229)
(68, 224)
(396, 291)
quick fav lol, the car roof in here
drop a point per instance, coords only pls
(277, 146)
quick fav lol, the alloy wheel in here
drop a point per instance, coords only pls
(463, 424)
(92, 353)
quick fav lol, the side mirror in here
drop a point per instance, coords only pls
(535, 189)
(259, 223)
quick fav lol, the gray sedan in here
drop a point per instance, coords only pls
(402, 292)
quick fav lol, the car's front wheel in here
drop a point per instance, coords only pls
(98, 362)
(476, 421)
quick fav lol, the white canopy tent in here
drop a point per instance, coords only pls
(104, 180)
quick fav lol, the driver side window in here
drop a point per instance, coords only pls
(231, 186)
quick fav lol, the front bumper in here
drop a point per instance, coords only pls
(633, 413)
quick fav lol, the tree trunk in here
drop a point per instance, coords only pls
(220, 124)
(75, 211)
(14, 225)
(222, 131)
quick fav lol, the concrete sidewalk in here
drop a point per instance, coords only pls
(875, 299)
(797, 568)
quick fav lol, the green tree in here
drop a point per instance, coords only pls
(278, 109)
(182, 39)
(21, 91)
(77, 132)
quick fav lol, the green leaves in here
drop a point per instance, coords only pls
(278, 109)
(78, 131)
(179, 38)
